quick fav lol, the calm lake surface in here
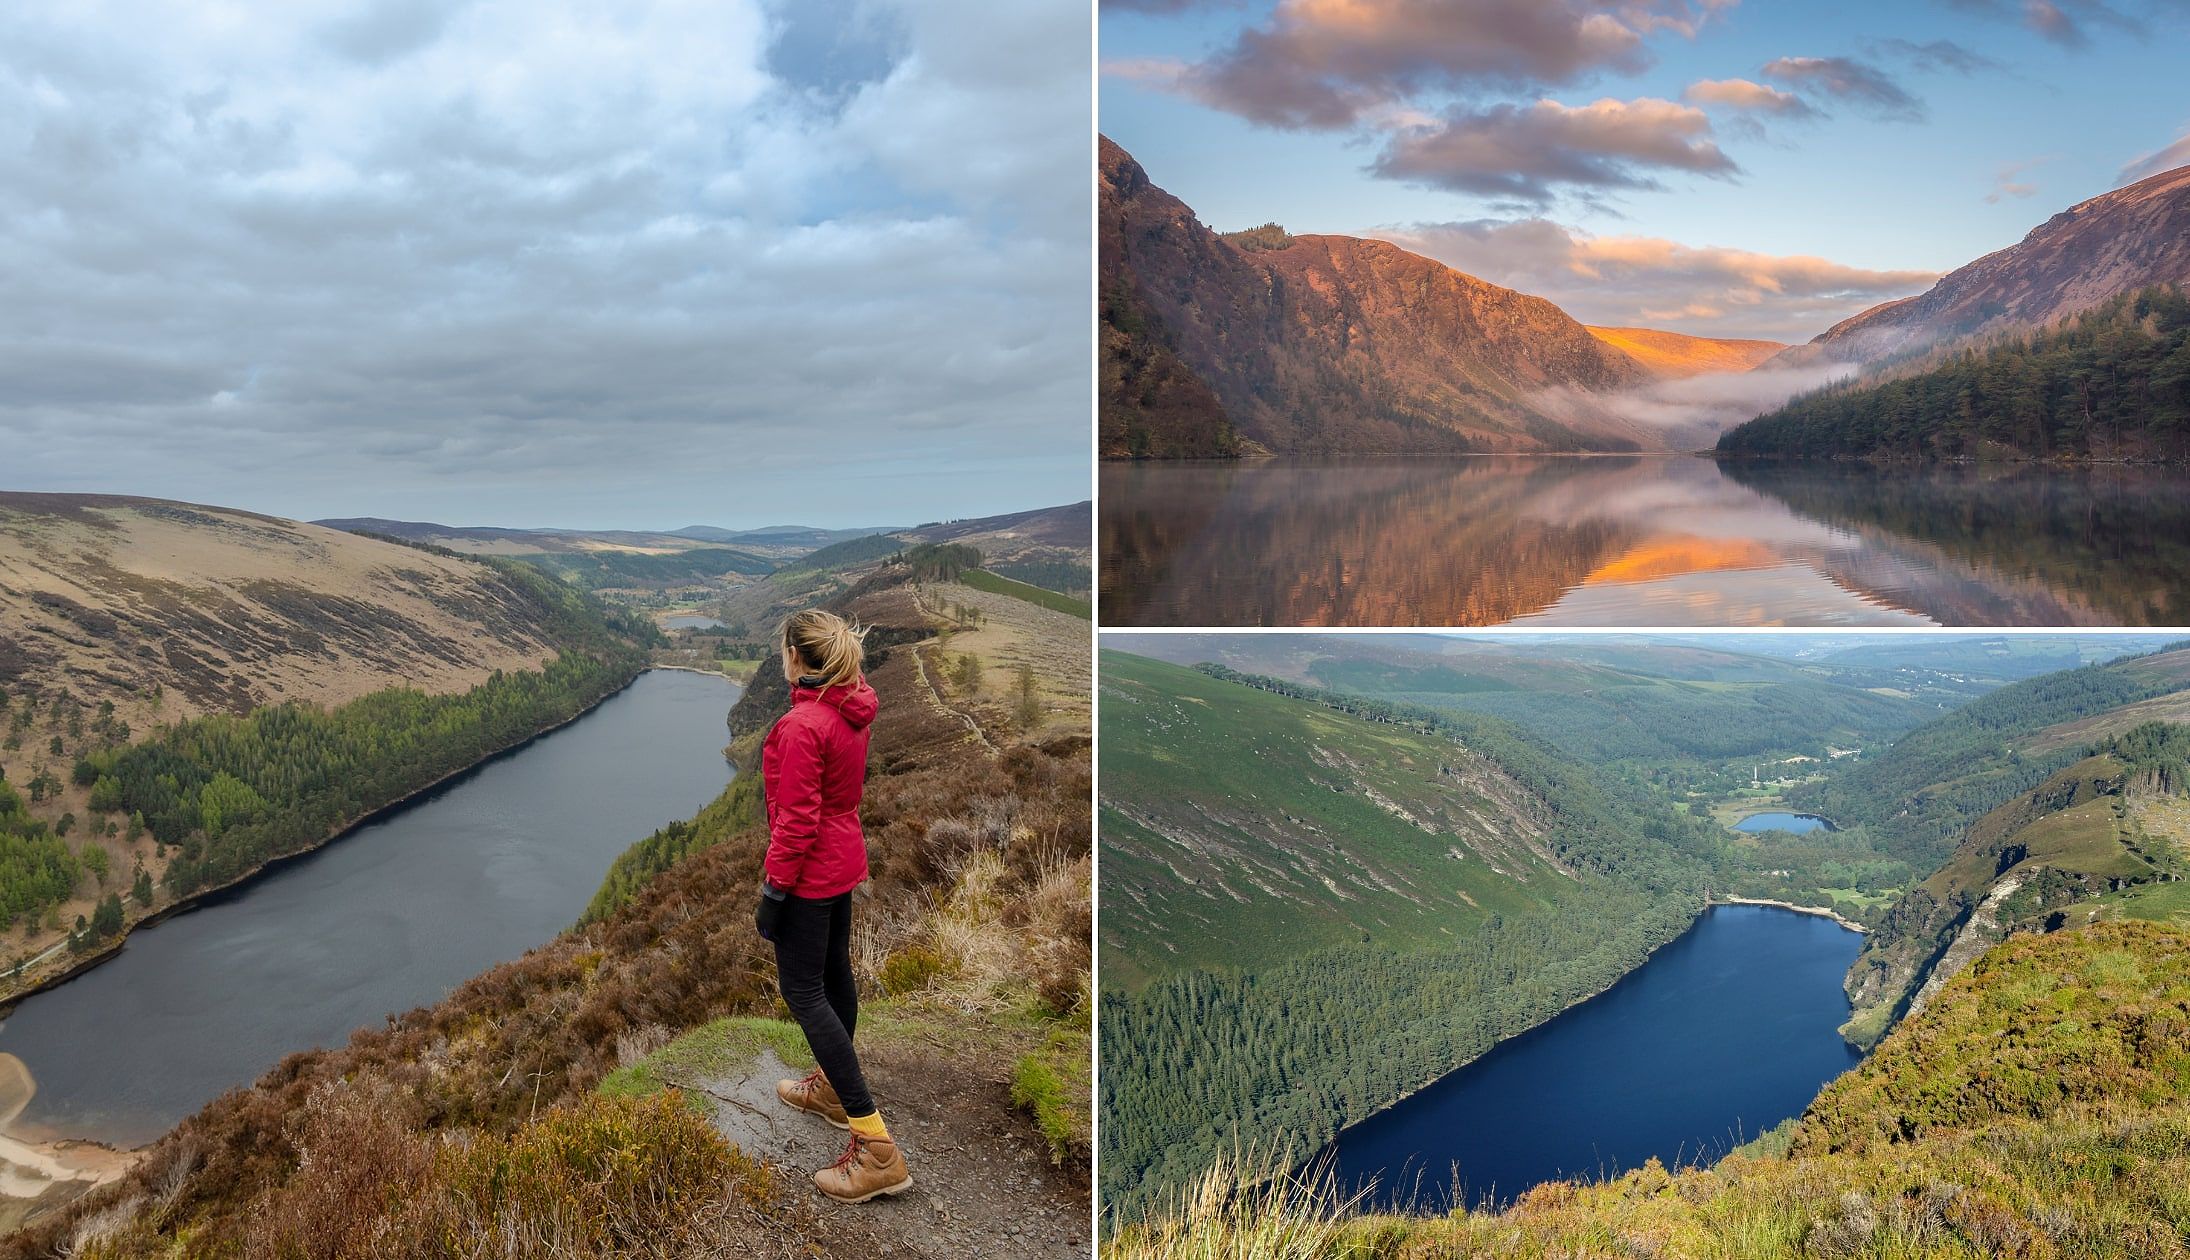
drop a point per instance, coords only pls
(1775, 821)
(1722, 1034)
(1671, 540)
(390, 917)
(691, 621)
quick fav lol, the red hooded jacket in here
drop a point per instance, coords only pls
(811, 773)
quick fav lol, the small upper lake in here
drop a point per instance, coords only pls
(1773, 820)
(691, 621)
(390, 917)
(1724, 1033)
(1668, 540)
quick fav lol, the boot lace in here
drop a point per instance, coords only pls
(808, 1081)
(851, 1152)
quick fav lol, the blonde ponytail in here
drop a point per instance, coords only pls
(826, 644)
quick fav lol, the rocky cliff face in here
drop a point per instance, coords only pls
(2114, 243)
(1330, 344)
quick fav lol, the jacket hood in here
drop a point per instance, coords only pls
(855, 700)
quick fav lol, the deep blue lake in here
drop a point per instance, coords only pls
(1724, 1033)
(389, 917)
(1777, 821)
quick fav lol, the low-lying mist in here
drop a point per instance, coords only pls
(1692, 411)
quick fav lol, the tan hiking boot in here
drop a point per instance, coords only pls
(814, 1093)
(868, 1167)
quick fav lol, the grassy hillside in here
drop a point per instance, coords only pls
(1315, 903)
(998, 584)
(2040, 1107)
(586, 1099)
(1241, 826)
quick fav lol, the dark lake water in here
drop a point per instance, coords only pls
(1722, 1034)
(691, 621)
(1773, 820)
(1673, 540)
(390, 917)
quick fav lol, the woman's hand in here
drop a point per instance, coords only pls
(770, 910)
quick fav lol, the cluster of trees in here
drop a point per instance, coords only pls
(231, 792)
(69, 724)
(937, 562)
(841, 555)
(2155, 755)
(1067, 577)
(2111, 383)
(1269, 236)
(37, 870)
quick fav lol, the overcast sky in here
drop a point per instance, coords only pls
(1756, 168)
(629, 263)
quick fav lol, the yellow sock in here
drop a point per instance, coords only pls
(869, 1126)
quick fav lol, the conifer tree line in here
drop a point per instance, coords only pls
(228, 793)
(2111, 383)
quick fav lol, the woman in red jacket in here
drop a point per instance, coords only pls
(812, 770)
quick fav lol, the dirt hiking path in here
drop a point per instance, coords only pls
(983, 1183)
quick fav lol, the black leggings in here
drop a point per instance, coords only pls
(814, 970)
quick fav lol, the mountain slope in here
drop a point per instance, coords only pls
(1315, 903)
(1324, 828)
(2114, 243)
(172, 610)
(1677, 356)
(1329, 344)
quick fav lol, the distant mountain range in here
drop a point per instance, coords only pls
(1047, 547)
(1678, 356)
(1266, 342)
(770, 540)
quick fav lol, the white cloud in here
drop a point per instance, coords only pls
(2165, 158)
(1649, 281)
(606, 260)
(1528, 152)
